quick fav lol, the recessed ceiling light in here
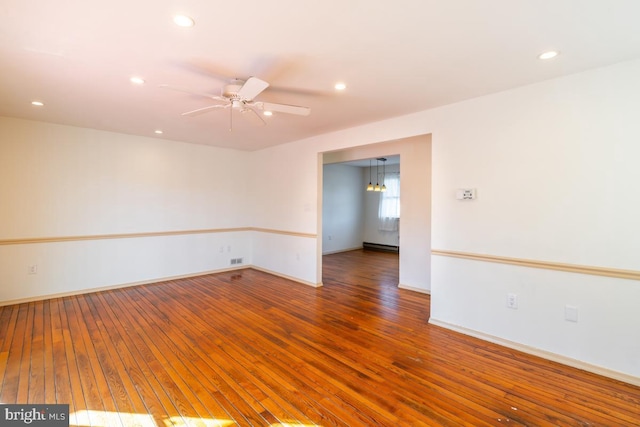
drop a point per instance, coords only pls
(340, 86)
(268, 113)
(183, 21)
(158, 131)
(137, 80)
(548, 55)
(37, 103)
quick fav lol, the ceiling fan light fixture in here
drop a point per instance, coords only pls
(183, 21)
(239, 95)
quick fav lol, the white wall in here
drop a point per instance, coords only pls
(555, 165)
(287, 255)
(552, 163)
(61, 181)
(285, 191)
(342, 208)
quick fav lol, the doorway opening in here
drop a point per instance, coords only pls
(341, 175)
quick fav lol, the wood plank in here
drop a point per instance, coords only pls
(22, 393)
(48, 368)
(71, 390)
(9, 317)
(248, 348)
(62, 379)
(13, 368)
(35, 391)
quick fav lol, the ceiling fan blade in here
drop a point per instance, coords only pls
(284, 108)
(191, 92)
(203, 110)
(252, 88)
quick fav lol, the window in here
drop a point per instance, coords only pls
(389, 209)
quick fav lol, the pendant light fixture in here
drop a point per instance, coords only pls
(378, 187)
(370, 186)
(383, 160)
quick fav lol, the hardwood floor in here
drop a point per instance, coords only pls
(248, 348)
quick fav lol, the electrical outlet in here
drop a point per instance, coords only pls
(512, 301)
(32, 269)
(466, 193)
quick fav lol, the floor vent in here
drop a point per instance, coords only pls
(380, 247)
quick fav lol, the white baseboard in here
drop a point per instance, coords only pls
(284, 276)
(595, 369)
(121, 285)
(147, 282)
(411, 288)
(342, 250)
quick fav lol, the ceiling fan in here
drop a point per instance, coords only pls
(239, 95)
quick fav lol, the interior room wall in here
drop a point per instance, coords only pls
(342, 208)
(80, 187)
(553, 164)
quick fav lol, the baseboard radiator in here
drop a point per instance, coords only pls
(368, 246)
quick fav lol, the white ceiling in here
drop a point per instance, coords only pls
(396, 58)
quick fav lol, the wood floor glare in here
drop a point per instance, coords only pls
(250, 349)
